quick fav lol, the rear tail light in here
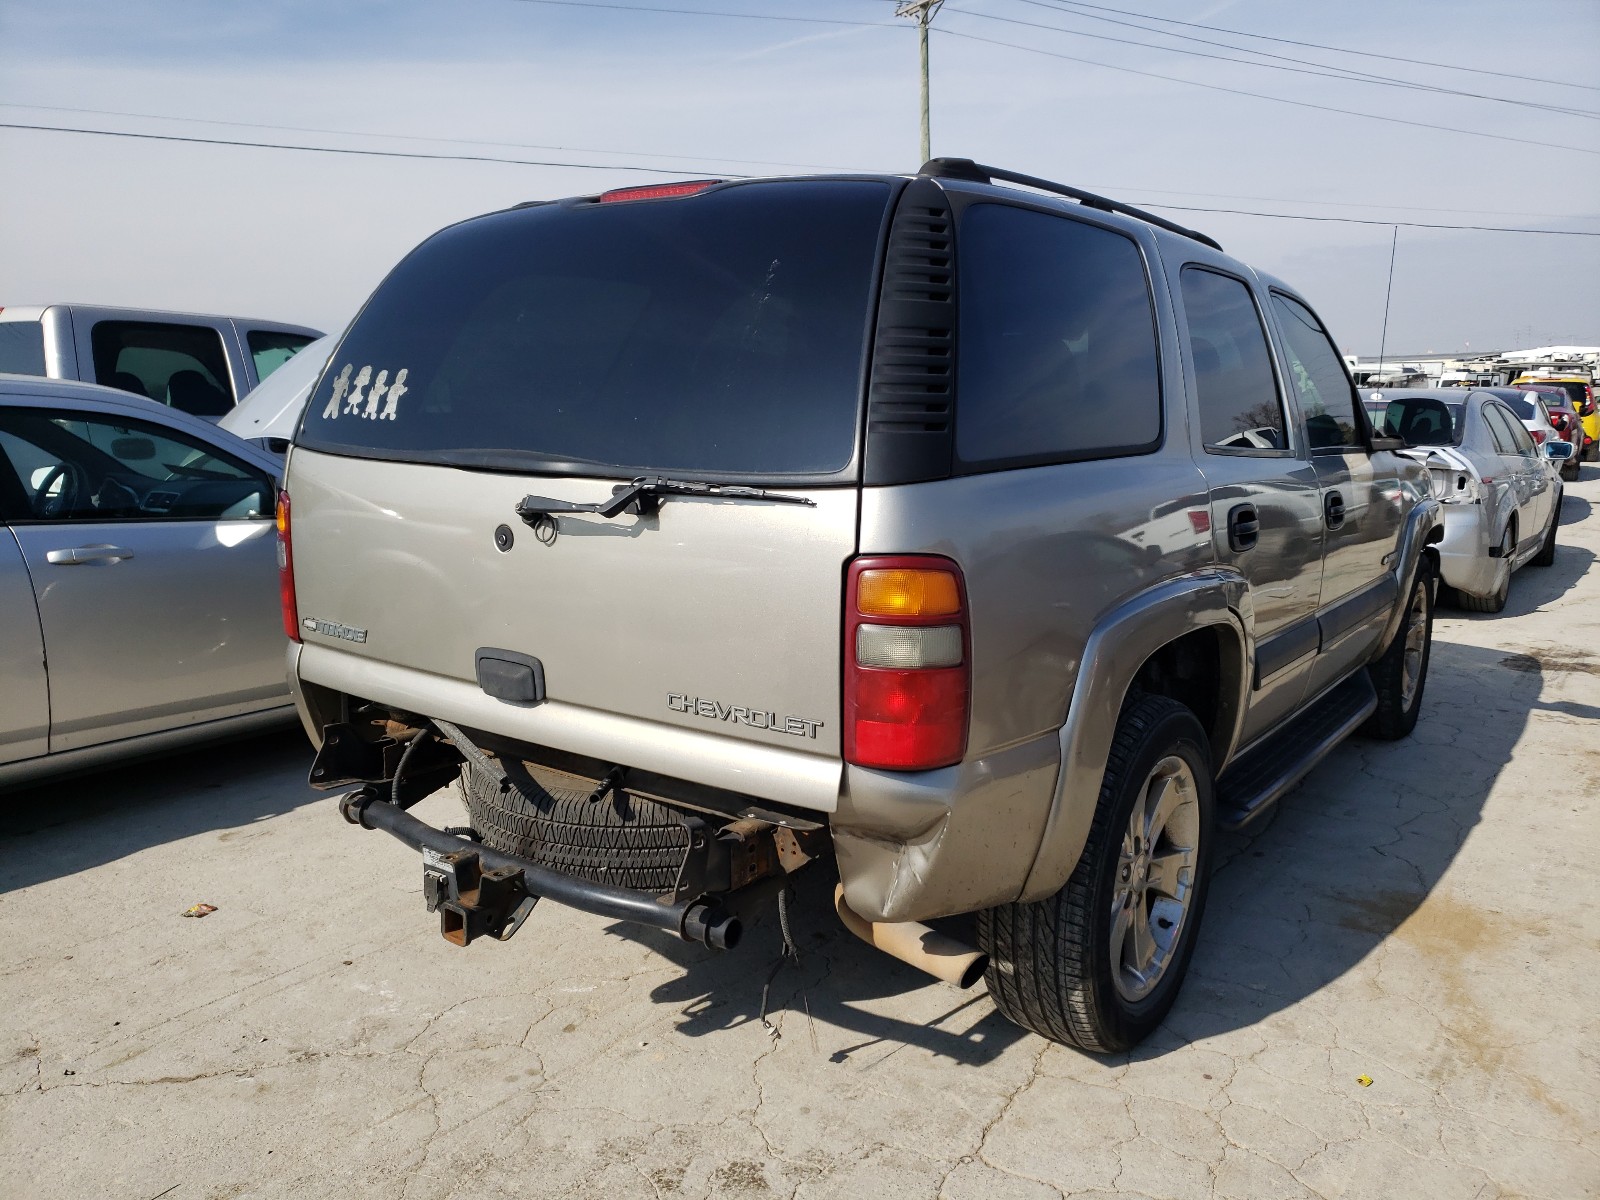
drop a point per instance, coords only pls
(907, 663)
(1538, 436)
(657, 191)
(291, 612)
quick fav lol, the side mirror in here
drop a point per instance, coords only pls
(1558, 451)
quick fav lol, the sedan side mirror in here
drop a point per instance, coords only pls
(1558, 451)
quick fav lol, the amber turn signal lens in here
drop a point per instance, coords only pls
(907, 593)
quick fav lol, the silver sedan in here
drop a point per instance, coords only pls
(1501, 499)
(137, 578)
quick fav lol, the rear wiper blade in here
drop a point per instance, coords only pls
(644, 496)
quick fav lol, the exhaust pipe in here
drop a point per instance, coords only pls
(916, 945)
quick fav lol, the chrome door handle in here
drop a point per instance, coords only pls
(86, 554)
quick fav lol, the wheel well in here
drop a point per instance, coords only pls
(1190, 670)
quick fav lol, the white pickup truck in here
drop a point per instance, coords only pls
(198, 363)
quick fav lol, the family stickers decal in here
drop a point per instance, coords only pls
(354, 399)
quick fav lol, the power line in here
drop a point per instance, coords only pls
(703, 12)
(1110, 189)
(521, 162)
(482, 158)
(411, 137)
(1410, 62)
(1305, 67)
(699, 162)
(1217, 87)
(1244, 212)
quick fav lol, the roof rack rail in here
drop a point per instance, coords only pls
(965, 168)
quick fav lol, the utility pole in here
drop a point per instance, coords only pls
(922, 11)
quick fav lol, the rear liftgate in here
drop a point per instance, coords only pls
(731, 864)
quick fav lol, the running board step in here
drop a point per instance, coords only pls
(1259, 778)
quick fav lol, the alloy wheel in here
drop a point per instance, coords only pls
(1155, 882)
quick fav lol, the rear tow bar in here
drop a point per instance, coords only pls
(480, 891)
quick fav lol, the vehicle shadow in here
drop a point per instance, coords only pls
(859, 998)
(1574, 509)
(1358, 848)
(129, 807)
(1346, 859)
(1533, 589)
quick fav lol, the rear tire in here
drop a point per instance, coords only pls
(1547, 550)
(1099, 964)
(622, 840)
(1496, 600)
(1401, 674)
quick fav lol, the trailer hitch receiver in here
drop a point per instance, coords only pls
(472, 900)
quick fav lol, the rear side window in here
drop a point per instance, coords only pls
(1327, 397)
(181, 365)
(270, 349)
(1057, 359)
(1235, 387)
(718, 335)
(1501, 425)
(22, 347)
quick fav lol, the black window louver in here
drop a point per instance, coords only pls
(910, 405)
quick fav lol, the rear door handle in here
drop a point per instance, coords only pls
(79, 555)
(1244, 526)
(1333, 510)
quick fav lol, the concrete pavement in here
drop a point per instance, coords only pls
(1420, 914)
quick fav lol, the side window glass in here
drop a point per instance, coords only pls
(1058, 341)
(22, 347)
(1495, 417)
(184, 366)
(75, 467)
(1240, 408)
(1327, 398)
(270, 350)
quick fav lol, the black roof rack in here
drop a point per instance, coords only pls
(965, 168)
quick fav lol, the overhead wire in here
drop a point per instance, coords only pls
(617, 5)
(412, 137)
(520, 162)
(410, 154)
(1406, 59)
(1304, 67)
(1217, 87)
(699, 162)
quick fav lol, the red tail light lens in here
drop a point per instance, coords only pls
(657, 191)
(1538, 436)
(907, 655)
(291, 612)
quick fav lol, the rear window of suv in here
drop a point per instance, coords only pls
(1058, 341)
(722, 334)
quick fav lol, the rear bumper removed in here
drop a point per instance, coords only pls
(479, 891)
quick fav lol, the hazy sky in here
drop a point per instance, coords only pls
(305, 237)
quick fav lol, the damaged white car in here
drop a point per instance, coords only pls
(1502, 502)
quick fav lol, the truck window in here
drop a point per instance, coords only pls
(1058, 344)
(1327, 398)
(22, 347)
(1235, 387)
(183, 366)
(270, 349)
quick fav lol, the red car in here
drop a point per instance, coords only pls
(1568, 424)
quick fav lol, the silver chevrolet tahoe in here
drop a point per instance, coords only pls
(997, 542)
